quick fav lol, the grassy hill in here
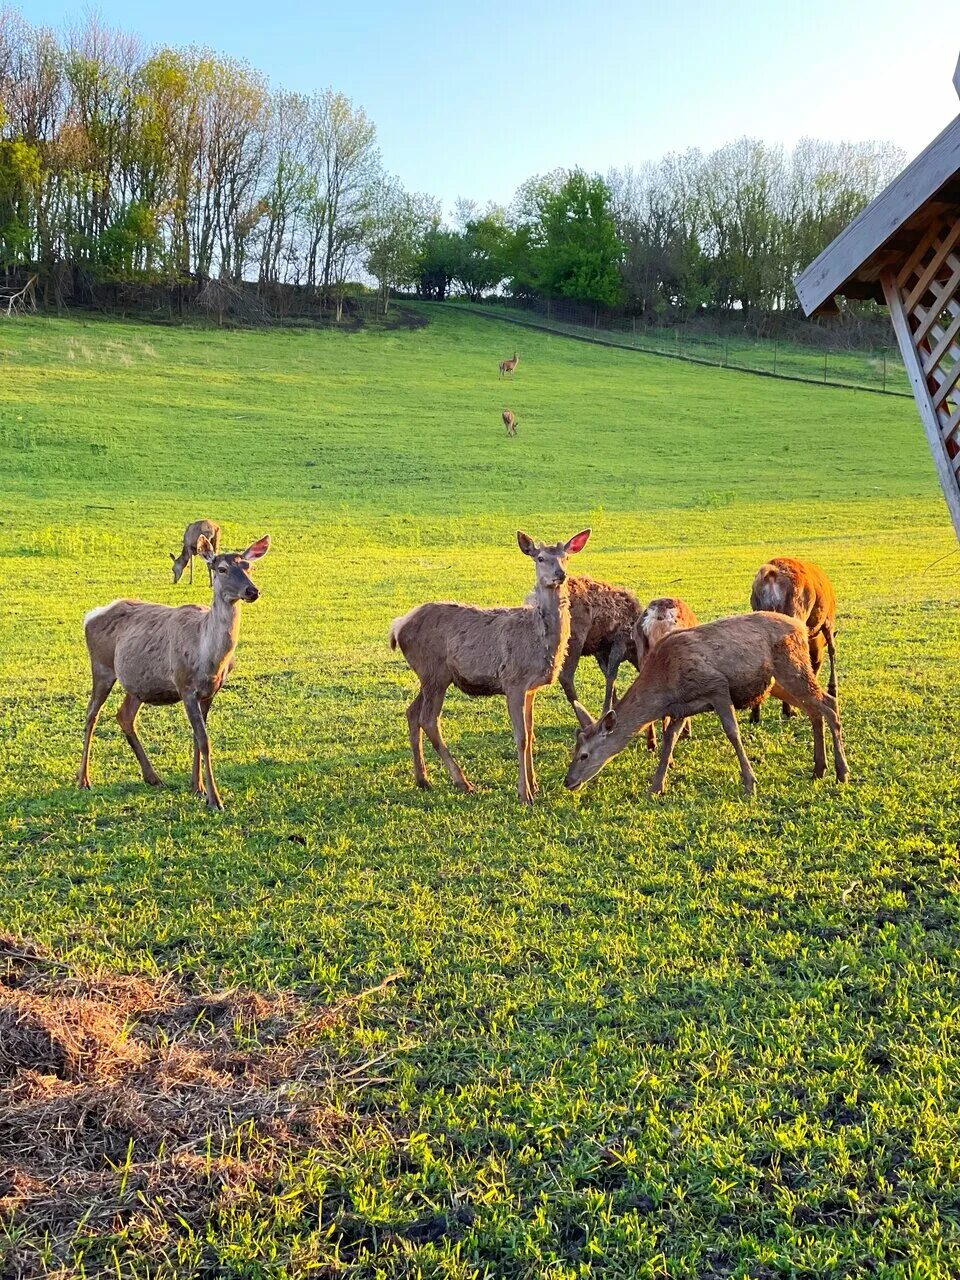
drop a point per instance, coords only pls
(700, 1037)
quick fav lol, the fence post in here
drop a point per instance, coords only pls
(726, 352)
(884, 369)
(824, 366)
(775, 344)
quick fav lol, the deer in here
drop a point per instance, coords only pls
(800, 590)
(163, 655)
(659, 619)
(602, 618)
(510, 421)
(486, 652)
(719, 666)
(508, 366)
(191, 536)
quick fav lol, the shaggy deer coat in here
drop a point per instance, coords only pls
(720, 666)
(602, 619)
(800, 590)
(484, 652)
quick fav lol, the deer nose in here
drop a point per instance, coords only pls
(252, 594)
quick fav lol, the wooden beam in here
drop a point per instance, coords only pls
(928, 274)
(921, 394)
(923, 244)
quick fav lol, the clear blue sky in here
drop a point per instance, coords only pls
(470, 99)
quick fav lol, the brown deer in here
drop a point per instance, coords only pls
(719, 666)
(602, 618)
(163, 655)
(484, 652)
(508, 366)
(800, 590)
(660, 619)
(191, 536)
(510, 421)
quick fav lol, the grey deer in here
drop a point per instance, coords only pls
(163, 655)
(484, 652)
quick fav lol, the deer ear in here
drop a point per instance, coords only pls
(608, 721)
(257, 550)
(526, 543)
(205, 549)
(578, 542)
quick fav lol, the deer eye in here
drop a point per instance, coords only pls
(222, 569)
(584, 755)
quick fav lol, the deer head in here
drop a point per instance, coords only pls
(229, 570)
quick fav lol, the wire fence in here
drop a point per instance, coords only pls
(866, 368)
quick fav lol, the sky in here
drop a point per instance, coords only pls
(470, 99)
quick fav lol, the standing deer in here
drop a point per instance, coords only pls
(602, 619)
(718, 667)
(163, 655)
(508, 366)
(191, 536)
(484, 652)
(660, 619)
(800, 590)
(510, 421)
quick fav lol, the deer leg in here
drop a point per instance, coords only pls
(651, 737)
(103, 682)
(196, 779)
(805, 692)
(516, 703)
(430, 720)
(755, 712)
(728, 718)
(614, 658)
(201, 738)
(687, 730)
(127, 719)
(416, 742)
(670, 734)
(568, 671)
(528, 719)
(191, 570)
(832, 651)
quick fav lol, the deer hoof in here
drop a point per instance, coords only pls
(424, 783)
(83, 783)
(155, 781)
(214, 802)
(466, 787)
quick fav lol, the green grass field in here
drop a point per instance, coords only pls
(700, 1037)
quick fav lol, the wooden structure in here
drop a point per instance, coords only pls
(904, 250)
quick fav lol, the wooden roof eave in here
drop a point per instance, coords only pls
(838, 269)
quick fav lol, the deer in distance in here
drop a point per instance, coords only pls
(162, 655)
(508, 366)
(485, 652)
(191, 537)
(720, 666)
(510, 421)
(800, 590)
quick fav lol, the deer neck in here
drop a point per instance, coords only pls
(221, 629)
(553, 619)
(641, 705)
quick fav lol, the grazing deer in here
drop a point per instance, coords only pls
(660, 619)
(484, 652)
(800, 590)
(719, 666)
(510, 421)
(191, 536)
(602, 619)
(163, 655)
(508, 366)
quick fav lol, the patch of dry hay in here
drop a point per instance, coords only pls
(124, 1096)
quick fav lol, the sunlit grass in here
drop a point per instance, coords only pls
(702, 1037)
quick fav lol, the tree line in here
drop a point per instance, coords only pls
(125, 163)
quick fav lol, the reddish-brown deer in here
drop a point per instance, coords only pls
(510, 421)
(719, 667)
(191, 536)
(508, 366)
(163, 655)
(800, 590)
(484, 652)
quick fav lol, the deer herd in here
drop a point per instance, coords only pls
(162, 654)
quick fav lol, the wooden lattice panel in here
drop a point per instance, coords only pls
(924, 300)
